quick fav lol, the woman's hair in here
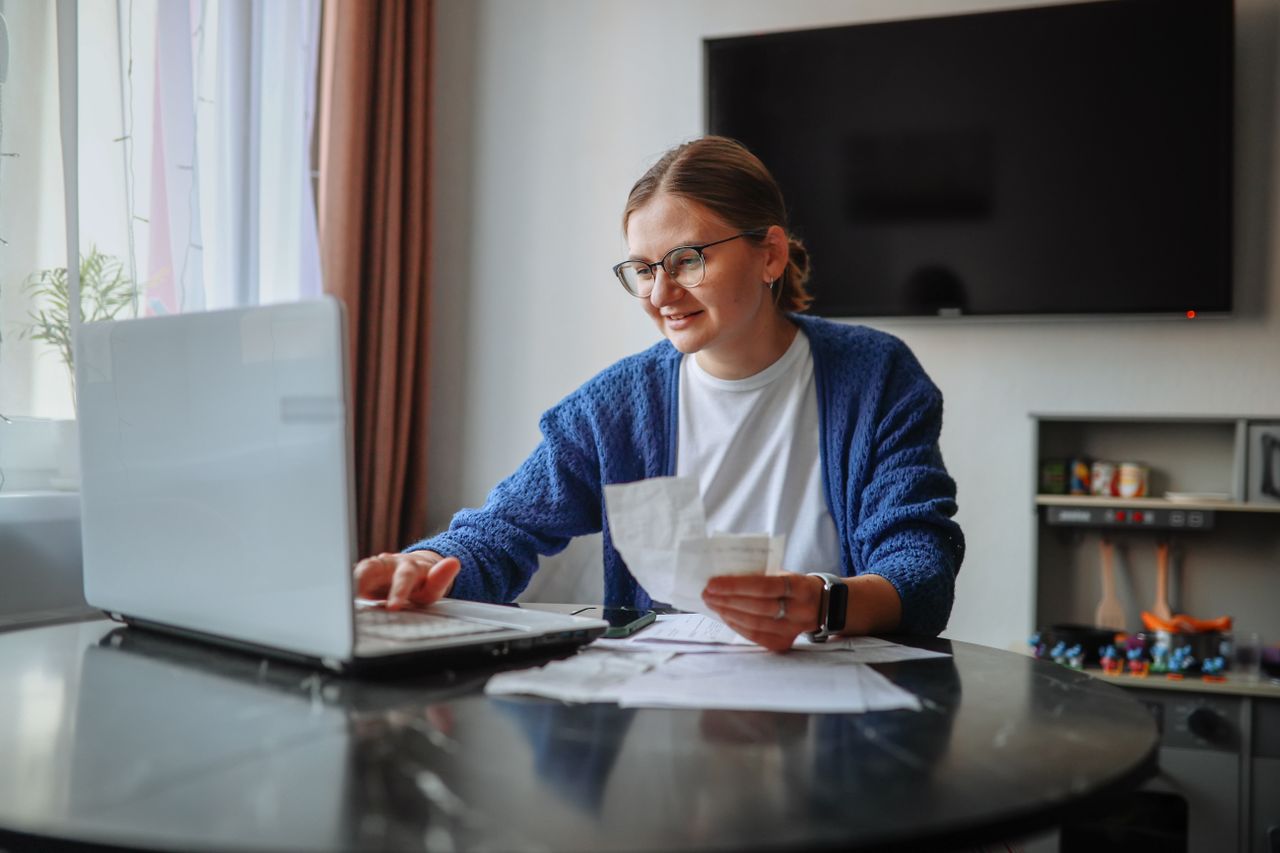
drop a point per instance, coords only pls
(723, 176)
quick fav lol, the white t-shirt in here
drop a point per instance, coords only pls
(753, 446)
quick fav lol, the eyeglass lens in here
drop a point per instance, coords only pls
(683, 265)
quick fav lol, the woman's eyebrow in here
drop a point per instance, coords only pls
(681, 245)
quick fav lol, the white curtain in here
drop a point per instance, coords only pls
(194, 128)
(196, 124)
(33, 380)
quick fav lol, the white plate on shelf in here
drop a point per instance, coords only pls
(1197, 497)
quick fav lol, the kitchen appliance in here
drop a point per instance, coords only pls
(1218, 789)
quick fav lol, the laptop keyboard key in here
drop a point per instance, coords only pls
(415, 625)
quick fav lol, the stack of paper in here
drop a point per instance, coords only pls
(690, 661)
(691, 633)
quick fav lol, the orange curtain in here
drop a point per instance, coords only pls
(374, 153)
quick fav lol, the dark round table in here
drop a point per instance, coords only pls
(115, 737)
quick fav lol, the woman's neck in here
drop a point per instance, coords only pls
(752, 351)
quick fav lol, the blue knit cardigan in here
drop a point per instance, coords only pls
(888, 492)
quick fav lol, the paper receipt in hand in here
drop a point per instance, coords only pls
(660, 529)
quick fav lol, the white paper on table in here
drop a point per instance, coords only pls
(664, 674)
(589, 676)
(880, 652)
(888, 653)
(681, 633)
(659, 528)
(796, 683)
(692, 633)
(690, 628)
(677, 648)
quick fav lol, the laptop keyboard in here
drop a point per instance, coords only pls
(411, 625)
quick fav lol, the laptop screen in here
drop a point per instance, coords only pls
(214, 463)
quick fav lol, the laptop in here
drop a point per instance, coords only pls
(217, 495)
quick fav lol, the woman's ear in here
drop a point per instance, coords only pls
(777, 253)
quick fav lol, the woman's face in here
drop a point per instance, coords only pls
(733, 306)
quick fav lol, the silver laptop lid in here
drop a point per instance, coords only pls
(214, 466)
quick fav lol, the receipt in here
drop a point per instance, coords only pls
(659, 527)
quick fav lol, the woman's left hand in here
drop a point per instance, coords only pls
(771, 610)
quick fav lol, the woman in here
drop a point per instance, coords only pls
(822, 431)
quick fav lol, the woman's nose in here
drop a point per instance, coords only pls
(664, 289)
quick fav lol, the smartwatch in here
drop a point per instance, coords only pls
(833, 608)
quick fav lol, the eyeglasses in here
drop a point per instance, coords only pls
(685, 265)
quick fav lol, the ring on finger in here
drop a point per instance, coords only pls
(782, 609)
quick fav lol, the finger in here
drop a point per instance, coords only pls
(364, 578)
(373, 576)
(801, 607)
(771, 640)
(790, 623)
(441, 716)
(439, 577)
(420, 581)
(797, 610)
(748, 623)
(759, 586)
(409, 576)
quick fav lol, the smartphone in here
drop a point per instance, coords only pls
(623, 621)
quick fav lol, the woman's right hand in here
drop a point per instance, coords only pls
(413, 579)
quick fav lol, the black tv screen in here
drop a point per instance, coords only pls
(1068, 159)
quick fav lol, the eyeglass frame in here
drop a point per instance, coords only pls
(617, 268)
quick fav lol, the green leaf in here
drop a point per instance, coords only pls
(105, 291)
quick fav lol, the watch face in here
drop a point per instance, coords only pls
(837, 607)
(834, 606)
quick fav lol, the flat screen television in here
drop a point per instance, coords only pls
(1056, 160)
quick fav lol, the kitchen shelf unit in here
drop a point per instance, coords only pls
(1220, 741)
(1156, 503)
(1230, 566)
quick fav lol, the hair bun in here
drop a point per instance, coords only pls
(799, 256)
(794, 296)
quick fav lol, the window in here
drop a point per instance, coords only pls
(194, 181)
(34, 381)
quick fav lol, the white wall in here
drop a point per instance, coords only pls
(548, 110)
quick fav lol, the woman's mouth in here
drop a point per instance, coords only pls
(679, 321)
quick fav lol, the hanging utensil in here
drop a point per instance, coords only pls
(1161, 607)
(1110, 614)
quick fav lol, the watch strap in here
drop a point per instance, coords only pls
(833, 609)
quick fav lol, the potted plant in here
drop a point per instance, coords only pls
(105, 291)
